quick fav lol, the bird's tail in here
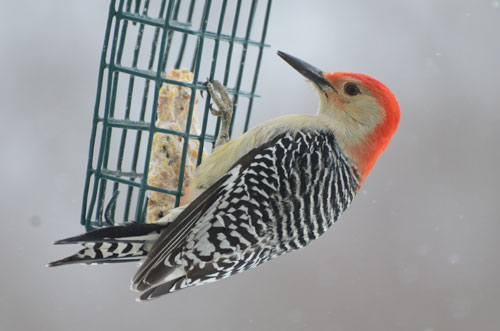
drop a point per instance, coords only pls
(122, 243)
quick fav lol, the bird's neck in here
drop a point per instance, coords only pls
(363, 160)
(365, 155)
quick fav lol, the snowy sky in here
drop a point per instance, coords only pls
(416, 251)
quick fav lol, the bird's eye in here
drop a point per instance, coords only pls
(351, 89)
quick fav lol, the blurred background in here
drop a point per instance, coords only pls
(417, 250)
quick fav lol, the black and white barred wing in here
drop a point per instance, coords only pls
(269, 203)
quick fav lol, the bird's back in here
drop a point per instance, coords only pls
(275, 199)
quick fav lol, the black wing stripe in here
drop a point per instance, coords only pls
(177, 231)
(179, 227)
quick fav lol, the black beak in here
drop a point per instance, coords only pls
(308, 71)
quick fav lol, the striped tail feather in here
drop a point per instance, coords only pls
(159, 290)
(122, 243)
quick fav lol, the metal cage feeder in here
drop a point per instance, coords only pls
(221, 40)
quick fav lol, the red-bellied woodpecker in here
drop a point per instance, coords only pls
(270, 191)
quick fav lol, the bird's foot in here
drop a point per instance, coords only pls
(219, 95)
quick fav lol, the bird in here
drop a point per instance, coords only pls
(270, 191)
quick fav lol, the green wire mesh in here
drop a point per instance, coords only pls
(220, 40)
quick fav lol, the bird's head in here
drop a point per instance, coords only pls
(362, 111)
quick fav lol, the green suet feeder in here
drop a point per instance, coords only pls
(216, 40)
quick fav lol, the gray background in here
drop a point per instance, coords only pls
(417, 250)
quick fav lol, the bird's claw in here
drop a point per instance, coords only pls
(224, 110)
(214, 111)
(204, 84)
